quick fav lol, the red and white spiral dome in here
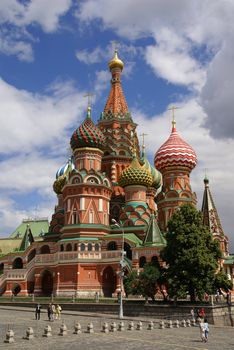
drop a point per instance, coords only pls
(175, 152)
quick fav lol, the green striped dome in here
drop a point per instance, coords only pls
(156, 175)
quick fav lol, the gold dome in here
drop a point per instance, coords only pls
(135, 174)
(156, 175)
(116, 62)
(59, 183)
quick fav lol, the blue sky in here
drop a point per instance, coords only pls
(52, 52)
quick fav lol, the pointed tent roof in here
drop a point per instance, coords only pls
(27, 239)
(209, 212)
(153, 235)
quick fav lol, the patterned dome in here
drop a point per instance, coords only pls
(135, 174)
(59, 183)
(64, 169)
(175, 152)
(156, 176)
(87, 135)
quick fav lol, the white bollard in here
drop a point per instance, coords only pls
(47, 331)
(9, 336)
(177, 324)
(188, 323)
(121, 326)
(161, 324)
(77, 328)
(105, 328)
(150, 326)
(169, 324)
(63, 329)
(183, 323)
(113, 327)
(139, 326)
(90, 328)
(29, 333)
(131, 326)
(193, 322)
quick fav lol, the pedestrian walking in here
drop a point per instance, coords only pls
(206, 329)
(49, 312)
(58, 310)
(202, 329)
(192, 312)
(53, 312)
(38, 312)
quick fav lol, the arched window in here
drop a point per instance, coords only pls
(142, 261)
(75, 246)
(74, 217)
(45, 249)
(1, 268)
(112, 246)
(82, 247)
(61, 248)
(128, 250)
(96, 247)
(90, 247)
(154, 261)
(17, 263)
(69, 247)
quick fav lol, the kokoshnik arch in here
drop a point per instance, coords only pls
(108, 177)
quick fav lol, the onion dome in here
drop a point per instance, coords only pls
(66, 168)
(175, 152)
(156, 176)
(87, 135)
(59, 183)
(135, 174)
(116, 62)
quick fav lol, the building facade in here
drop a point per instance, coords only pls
(109, 198)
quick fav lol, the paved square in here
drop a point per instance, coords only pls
(19, 319)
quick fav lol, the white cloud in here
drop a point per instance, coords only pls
(20, 15)
(193, 46)
(43, 120)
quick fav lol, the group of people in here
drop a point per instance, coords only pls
(203, 323)
(53, 311)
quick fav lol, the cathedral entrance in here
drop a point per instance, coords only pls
(47, 283)
(108, 281)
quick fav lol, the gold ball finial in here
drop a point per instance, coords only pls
(116, 62)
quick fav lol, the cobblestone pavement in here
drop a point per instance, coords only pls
(19, 319)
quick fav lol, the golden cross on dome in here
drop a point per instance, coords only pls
(173, 108)
(143, 139)
(114, 44)
(89, 95)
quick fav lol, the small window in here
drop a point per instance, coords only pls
(90, 247)
(82, 247)
(96, 247)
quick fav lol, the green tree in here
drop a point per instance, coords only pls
(191, 255)
(145, 283)
(221, 282)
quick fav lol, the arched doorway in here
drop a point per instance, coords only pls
(16, 289)
(47, 283)
(108, 281)
(142, 261)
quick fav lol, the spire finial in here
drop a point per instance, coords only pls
(173, 108)
(206, 180)
(115, 62)
(143, 143)
(89, 95)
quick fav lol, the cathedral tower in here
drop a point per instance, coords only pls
(175, 159)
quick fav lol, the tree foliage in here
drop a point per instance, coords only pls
(191, 255)
(146, 283)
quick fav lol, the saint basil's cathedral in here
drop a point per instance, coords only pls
(108, 197)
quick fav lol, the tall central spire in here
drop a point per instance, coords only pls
(116, 106)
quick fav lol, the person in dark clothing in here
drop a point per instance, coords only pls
(49, 312)
(38, 312)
